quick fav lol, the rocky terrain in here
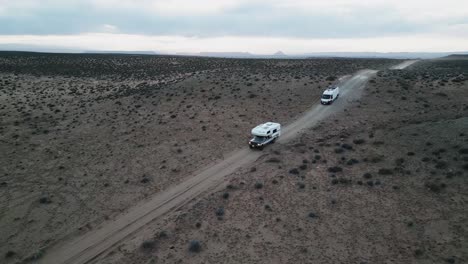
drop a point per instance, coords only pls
(84, 137)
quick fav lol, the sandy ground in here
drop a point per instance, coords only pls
(84, 137)
(382, 181)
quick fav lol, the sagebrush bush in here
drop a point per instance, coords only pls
(195, 246)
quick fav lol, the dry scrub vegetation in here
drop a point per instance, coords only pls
(383, 181)
(83, 137)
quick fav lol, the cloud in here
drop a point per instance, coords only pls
(253, 19)
(260, 45)
(107, 28)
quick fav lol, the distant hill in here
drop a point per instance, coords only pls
(455, 57)
(390, 55)
(226, 54)
(279, 54)
(137, 52)
(235, 54)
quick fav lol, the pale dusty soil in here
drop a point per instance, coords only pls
(409, 132)
(85, 137)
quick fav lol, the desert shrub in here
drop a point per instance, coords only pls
(148, 244)
(45, 200)
(145, 180)
(225, 195)
(162, 234)
(301, 185)
(294, 171)
(435, 187)
(418, 252)
(463, 151)
(410, 153)
(312, 215)
(385, 171)
(346, 146)
(10, 254)
(335, 169)
(258, 185)
(334, 181)
(370, 183)
(399, 161)
(376, 159)
(352, 162)
(303, 167)
(195, 246)
(331, 78)
(36, 255)
(273, 160)
(450, 260)
(359, 141)
(339, 150)
(465, 167)
(304, 161)
(220, 211)
(367, 175)
(253, 169)
(317, 157)
(344, 181)
(441, 165)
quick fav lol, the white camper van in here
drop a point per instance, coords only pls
(264, 134)
(330, 95)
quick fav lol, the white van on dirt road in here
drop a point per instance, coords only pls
(330, 95)
(264, 134)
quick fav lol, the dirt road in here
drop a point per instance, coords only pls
(86, 248)
(403, 65)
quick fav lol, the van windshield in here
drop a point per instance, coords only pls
(259, 139)
(326, 96)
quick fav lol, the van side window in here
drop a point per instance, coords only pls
(268, 132)
(274, 130)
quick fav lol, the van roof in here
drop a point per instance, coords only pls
(263, 129)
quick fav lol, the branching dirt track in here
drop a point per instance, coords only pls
(88, 247)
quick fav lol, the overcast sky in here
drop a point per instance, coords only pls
(257, 26)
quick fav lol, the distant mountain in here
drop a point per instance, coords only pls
(226, 54)
(279, 54)
(390, 55)
(136, 52)
(36, 48)
(455, 57)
